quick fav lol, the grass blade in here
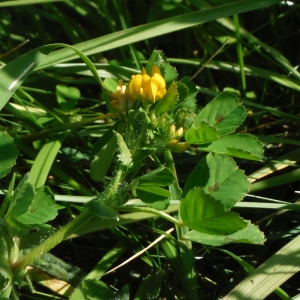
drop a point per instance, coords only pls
(270, 275)
(154, 29)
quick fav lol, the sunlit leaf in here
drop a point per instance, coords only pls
(217, 175)
(67, 97)
(244, 146)
(168, 101)
(225, 112)
(100, 210)
(203, 134)
(250, 235)
(102, 160)
(8, 154)
(201, 212)
(161, 176)
(154, 196)
(14, 73)
(42, 209)
(124, 153)
(22, 199)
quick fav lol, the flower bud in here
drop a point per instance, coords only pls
(184, 117)
(179, 147)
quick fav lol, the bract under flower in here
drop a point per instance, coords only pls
(147, 88)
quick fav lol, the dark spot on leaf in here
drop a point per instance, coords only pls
(219, 118)
(214, 187)
(228, 239)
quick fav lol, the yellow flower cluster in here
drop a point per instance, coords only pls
(142, 86)
(147, 88)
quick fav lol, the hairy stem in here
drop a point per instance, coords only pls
(52, 241)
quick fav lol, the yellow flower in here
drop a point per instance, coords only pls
(120, 99)
(147, 88)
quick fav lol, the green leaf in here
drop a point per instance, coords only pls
(169, 73)
(154, 29)
(183, 92)
(123, 294)
(225, 112)
(42, 209)
(220, 177)
(6, 274)
(102, 160)
(44, 160)
(205, 133)
(93, 290)
(67, 97)
(161, 176)
(244, 146)
(110, 84)
(157, 58)
(8, 154)
(104, 139)
(201, 212)
(150, 287)
(100, 210)
(154, 196)
(250, 235)
(168, 101)
(187, 99)
(14, 73)
(21, 199)
(125, 155)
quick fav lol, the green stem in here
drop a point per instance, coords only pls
(150, 211)
(240, 53)
(54, 240)
(46, 132)
(187, 257)
(174, 187)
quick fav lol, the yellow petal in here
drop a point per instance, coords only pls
(160, 81)
(135, 86)
(143, 72)
(155, 70)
